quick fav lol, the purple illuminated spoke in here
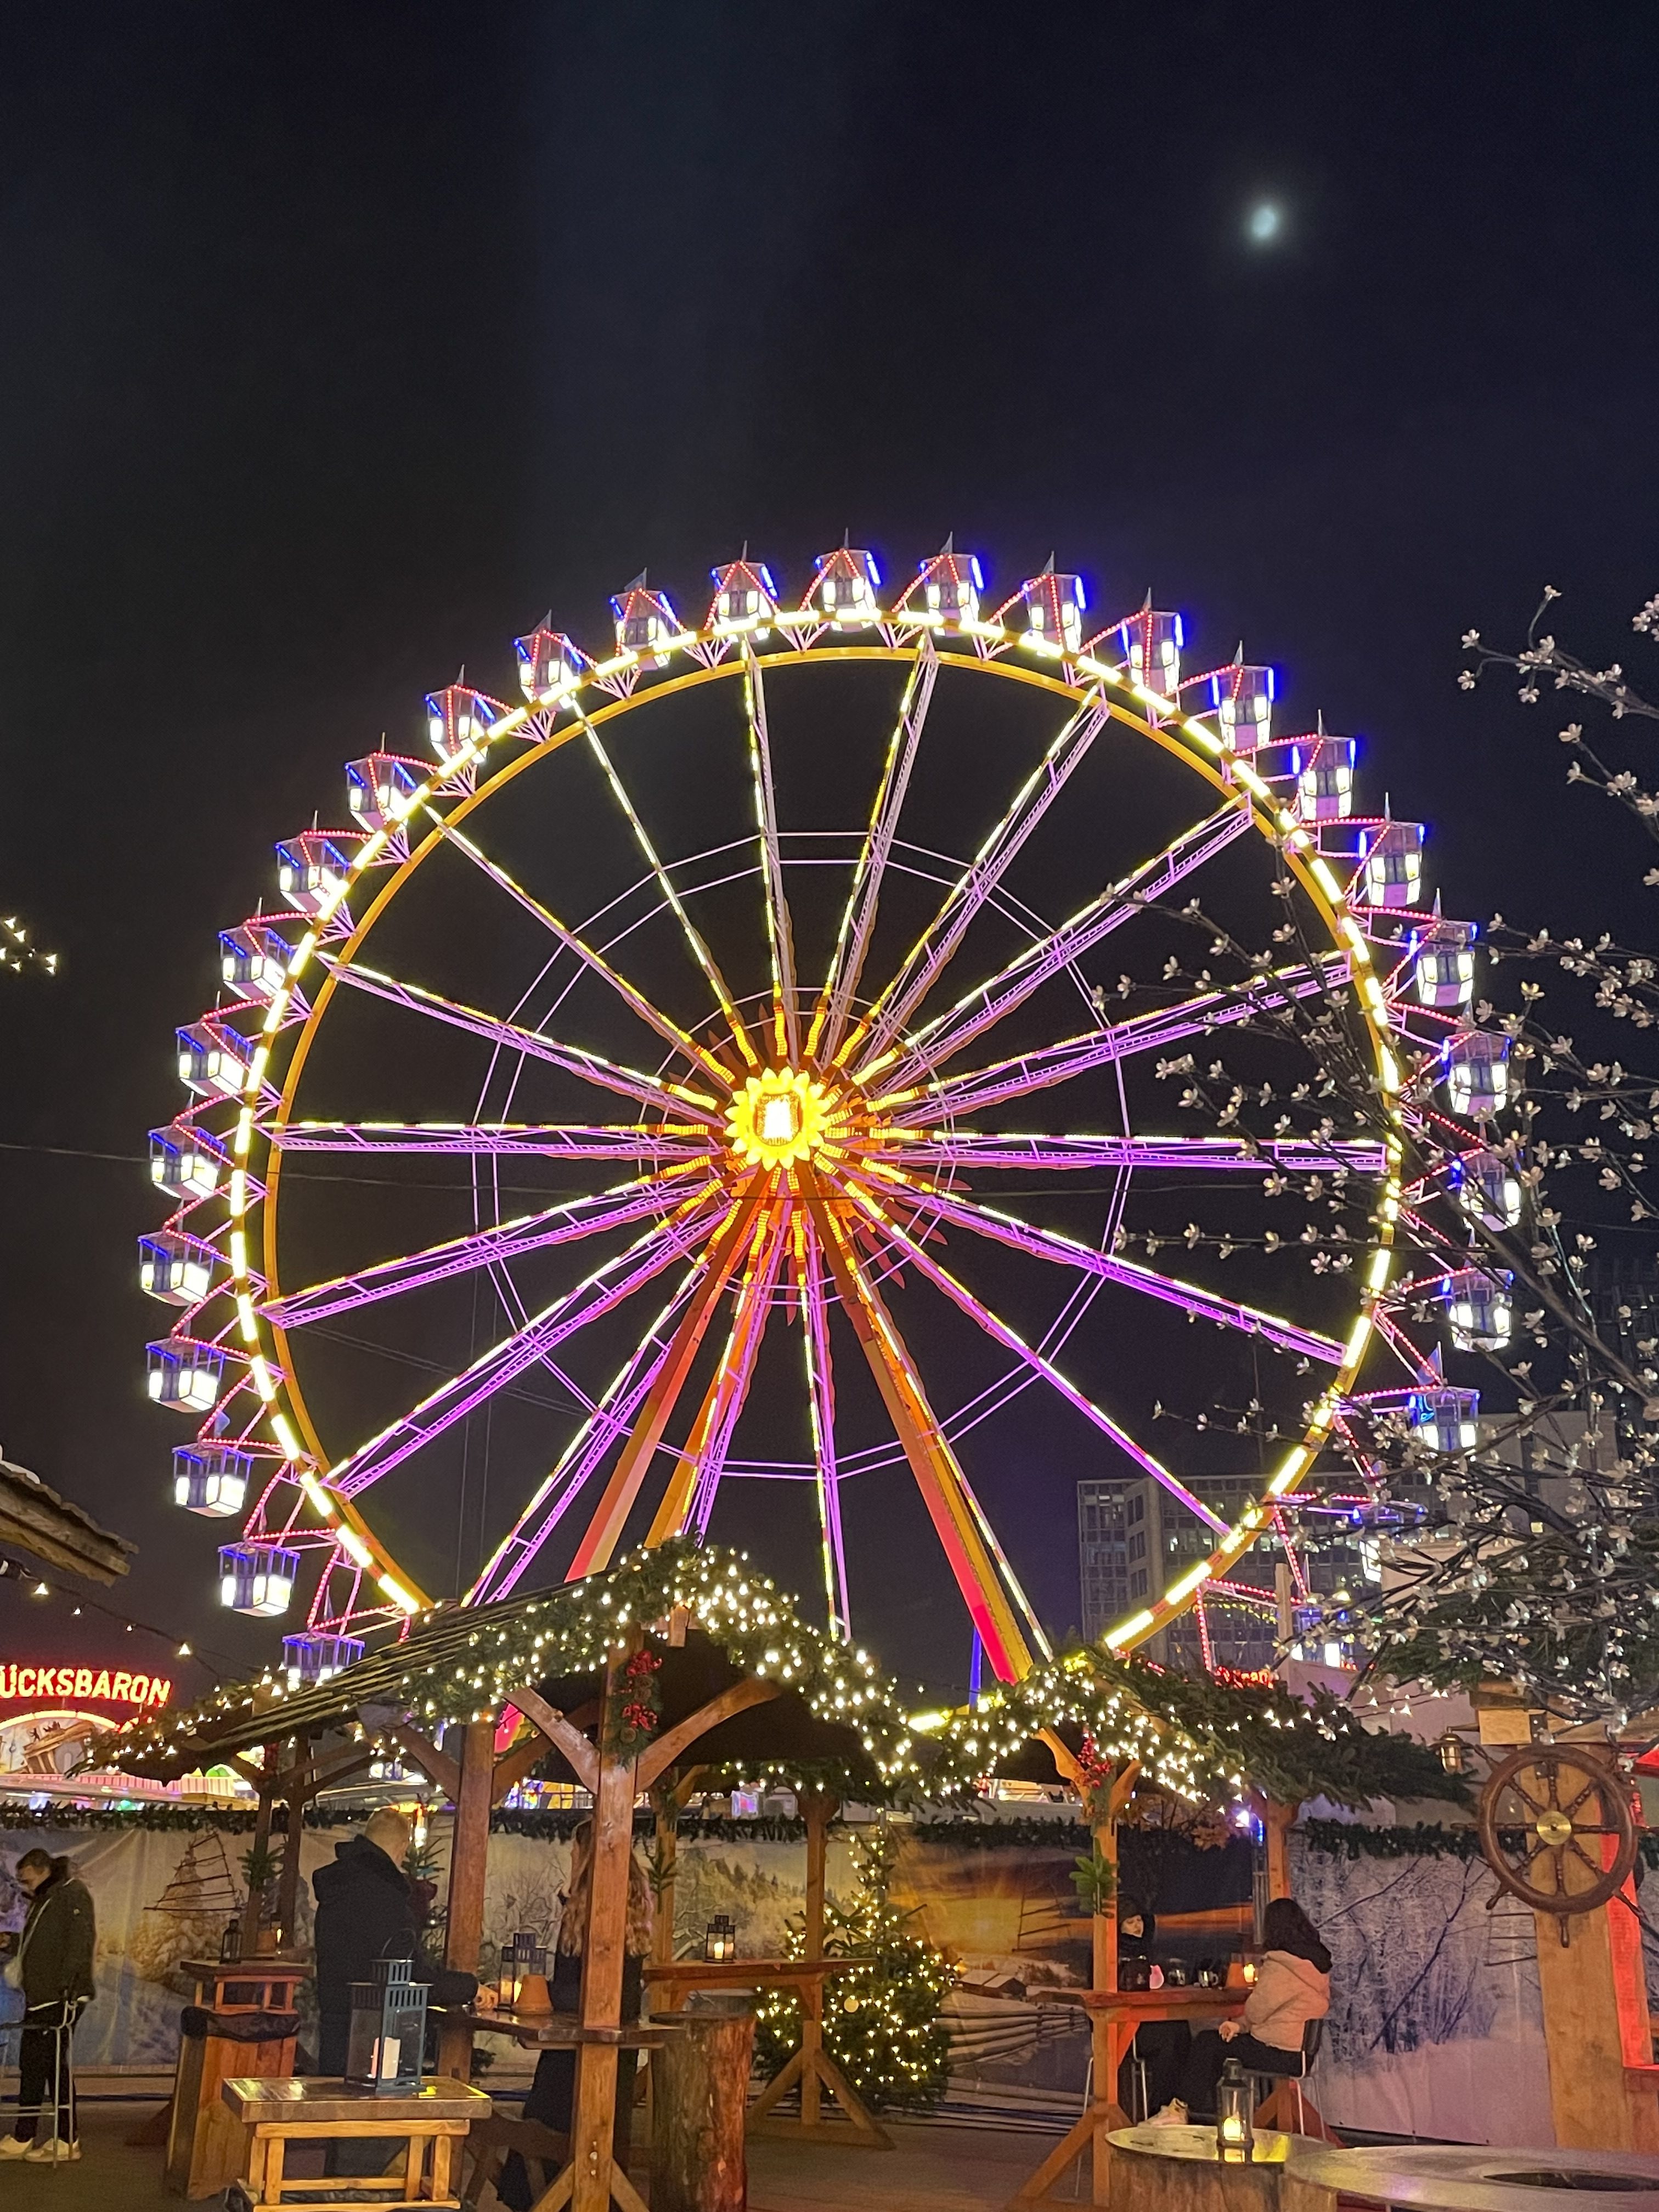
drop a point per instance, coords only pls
(949, 1032)
(933, 950)
(568, 1223)
(670, 1099)
(610, 1421)
(489, 1139)
(821, 1401)
(779, 935)
(858, 917)
(1159, 1031)
(606, 1287)
(970, 1148)
(634, 999)
(737, 1371)
(694, 939)
(976, 1310)
(1064, 1251)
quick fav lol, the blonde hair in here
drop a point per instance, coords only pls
(391, 1831)
(573, 1919)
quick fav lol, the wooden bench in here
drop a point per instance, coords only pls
(431, 2121)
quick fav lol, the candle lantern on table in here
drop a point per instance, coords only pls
(230, 1944)
(1235, 2116)
(522, 1960)
(720, 1941)
(387, 2039)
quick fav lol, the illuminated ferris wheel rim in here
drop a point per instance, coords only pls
(1187, 738)
(959, 642)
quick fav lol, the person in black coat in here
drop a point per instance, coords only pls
(53, 1966)
(366, 1910)
(1159, 2046)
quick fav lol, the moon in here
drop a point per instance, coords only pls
(1265, 223)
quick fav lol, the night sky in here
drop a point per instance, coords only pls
(340, 342)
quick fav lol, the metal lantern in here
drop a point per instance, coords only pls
(230, 1944)
(720, 1939)
(521, 1957)
(1235, 2116)
(387, 2037)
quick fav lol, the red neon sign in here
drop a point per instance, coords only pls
(98, 1684)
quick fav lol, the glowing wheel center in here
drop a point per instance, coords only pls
(780, 1117)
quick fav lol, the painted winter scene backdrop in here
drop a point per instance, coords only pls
(1435, 2026)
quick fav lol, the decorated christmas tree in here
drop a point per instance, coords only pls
(881, 2018)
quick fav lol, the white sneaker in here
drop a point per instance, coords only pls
(1174, 2115)
(16, 2146)
(52, 2151)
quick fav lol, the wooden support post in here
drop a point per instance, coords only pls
(668, 1845)
(255, 1898)
(1596, 2029)
(1277, 1821)
(468, 1848)
(699, 2081)
(593, 2176)
(819, 1809)
(298, 1793)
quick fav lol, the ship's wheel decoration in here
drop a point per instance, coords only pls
(801, 1132)
(1557, 1829)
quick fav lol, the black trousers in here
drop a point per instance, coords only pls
(1209, 2054)
(1161, 2046)
(45, 2087)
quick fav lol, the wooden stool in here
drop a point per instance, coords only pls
(432, 2120)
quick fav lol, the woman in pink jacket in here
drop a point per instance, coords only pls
(1292, 1986)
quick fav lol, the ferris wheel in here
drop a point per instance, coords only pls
(793, 1095)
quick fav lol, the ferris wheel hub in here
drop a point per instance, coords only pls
(782, 1116)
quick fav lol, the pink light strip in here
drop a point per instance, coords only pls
(942, 1039)
(566, 1224)
(1045, 1244)
(1057, 1063)
(504, 1362)
(942, 1280)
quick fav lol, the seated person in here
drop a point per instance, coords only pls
(1292, 1986)
(1160, 2046)
(552, 2092)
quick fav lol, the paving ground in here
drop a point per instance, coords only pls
(932, 2169)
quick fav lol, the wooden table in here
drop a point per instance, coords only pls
(539, 2031)
(432, 2120)
(1178, 2170)
(1115, 2015)
(205, 2147)
(1458, 2177)
(811, 2067)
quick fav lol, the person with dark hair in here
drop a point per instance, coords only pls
(1292, 1987)
(52, 1967)
(1157, 2055)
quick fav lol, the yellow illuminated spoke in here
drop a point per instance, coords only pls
(859, 915)
(673, 1099)
(780, 940)
(694, 937)
(936, 946)
(634, 999)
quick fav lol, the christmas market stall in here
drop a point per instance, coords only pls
(676, 1659)
(1136, 1741)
